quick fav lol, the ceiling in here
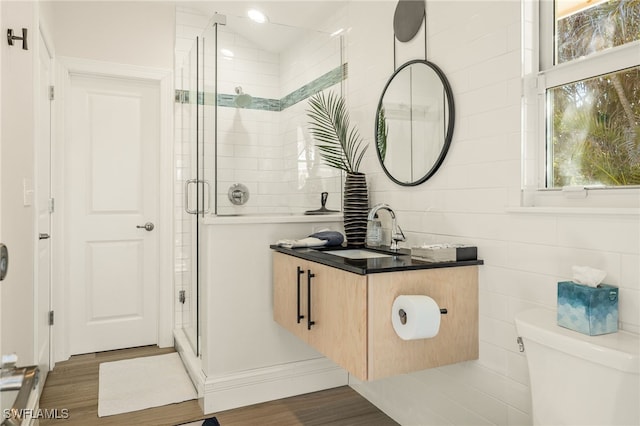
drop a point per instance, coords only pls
(288, 20)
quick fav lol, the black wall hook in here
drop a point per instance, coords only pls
(11, 38)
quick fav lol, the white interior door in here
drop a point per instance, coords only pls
(43, 225)
(111, 165)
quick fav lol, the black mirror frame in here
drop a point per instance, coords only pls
(450, 125)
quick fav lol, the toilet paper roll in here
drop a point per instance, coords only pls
(421, 317)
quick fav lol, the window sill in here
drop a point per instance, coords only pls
(576, 211)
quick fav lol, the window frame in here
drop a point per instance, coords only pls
(540, 74)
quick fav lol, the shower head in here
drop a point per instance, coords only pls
(243, 100)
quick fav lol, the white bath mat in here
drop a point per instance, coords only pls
(139, 383)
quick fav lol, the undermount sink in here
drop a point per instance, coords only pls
(358, 253)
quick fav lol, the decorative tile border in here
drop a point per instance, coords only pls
(263, 104)
(327, 80)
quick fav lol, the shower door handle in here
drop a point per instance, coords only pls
(207, 196)
(186, 196)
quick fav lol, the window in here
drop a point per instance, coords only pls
(588, 94)
(593, 136)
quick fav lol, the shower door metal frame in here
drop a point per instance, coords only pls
(194, 294)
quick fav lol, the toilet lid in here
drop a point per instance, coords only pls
(620, 350)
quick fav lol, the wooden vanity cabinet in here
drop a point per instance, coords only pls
(323, 306)
(351, 315)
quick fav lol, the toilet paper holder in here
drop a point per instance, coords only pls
(403, 315)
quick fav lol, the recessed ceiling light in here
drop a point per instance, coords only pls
(257, 16)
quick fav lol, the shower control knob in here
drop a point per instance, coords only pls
(238, 194)
(147, 226)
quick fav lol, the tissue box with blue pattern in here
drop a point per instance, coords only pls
(588, 310)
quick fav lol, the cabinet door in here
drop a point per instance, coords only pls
(287, 302)
(455, 289)
(339, 312)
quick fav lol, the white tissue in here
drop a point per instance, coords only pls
(588, 276)
(422, 315)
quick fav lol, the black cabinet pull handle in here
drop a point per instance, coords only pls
(309, 277)
(299, 317)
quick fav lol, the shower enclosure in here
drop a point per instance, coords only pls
(244, 147)
(189, 195)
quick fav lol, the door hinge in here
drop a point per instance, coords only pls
(52, 93)
(182, 296)
(52, 205)
(50, 317)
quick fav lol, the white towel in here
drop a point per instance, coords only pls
(304, 242)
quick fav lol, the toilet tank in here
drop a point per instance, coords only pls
(578, 379)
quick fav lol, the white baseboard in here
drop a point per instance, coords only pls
(254, 386)
(270, 383)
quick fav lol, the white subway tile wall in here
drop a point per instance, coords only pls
(269, 150)
(478, 46)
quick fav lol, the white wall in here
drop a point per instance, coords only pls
(17, 158)
(477, 45)
(125, 32)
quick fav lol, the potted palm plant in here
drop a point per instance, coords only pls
(342, 147)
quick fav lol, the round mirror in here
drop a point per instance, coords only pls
(414, 122)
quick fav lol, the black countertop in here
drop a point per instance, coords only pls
(401, 261)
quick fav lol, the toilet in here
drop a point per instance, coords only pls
(578, 379)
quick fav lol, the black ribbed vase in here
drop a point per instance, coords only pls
(356, 209)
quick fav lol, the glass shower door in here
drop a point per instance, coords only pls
(188, 257)
(196, 172)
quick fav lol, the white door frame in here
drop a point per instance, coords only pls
(40, 328)
(74, 66)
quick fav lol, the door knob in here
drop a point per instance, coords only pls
(147, 226)
(42, 236)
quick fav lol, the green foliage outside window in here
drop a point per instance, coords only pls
(596, 122)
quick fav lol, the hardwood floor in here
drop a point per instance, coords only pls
(73, 385)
